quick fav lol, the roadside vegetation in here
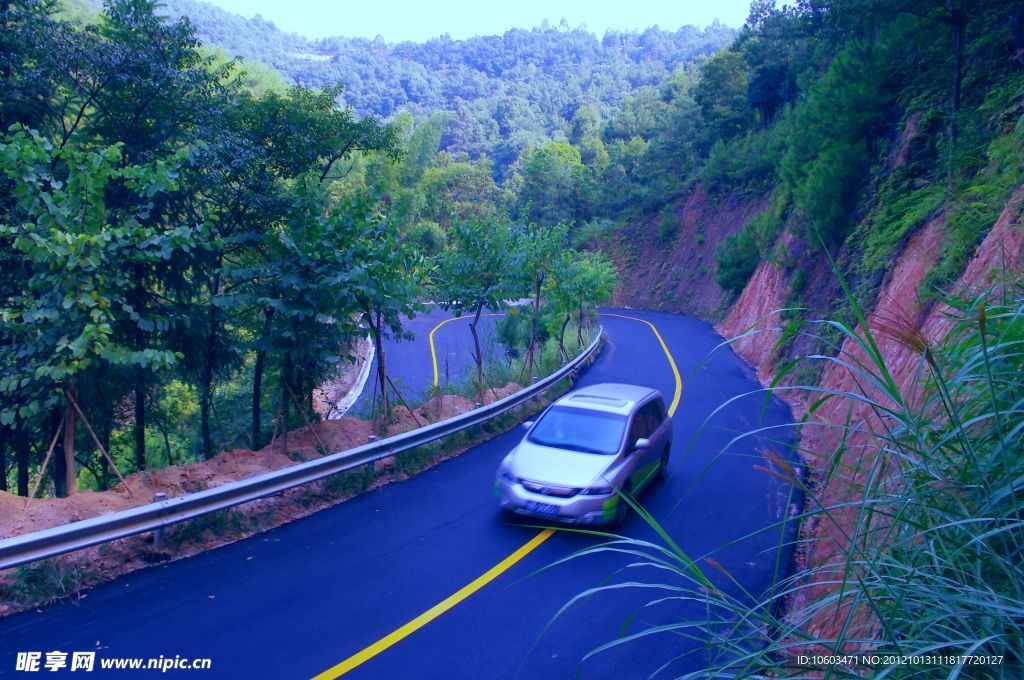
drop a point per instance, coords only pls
(920, 557)
(189, 250)
(67, 576)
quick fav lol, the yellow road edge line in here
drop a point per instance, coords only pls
(675, 369)
(430, 338)
(435, 611)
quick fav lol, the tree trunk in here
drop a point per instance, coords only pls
(257, 384)
(59, 462)
(478, 355)
(4, 434)
(205, 398)
(532, 349)
(104, 465)
(138, 343)
(206, 387)
(140, 422)
(382, 366)
(299, 389)
(561, 335)
(579, 326)
(70, 478)
(21, 453)
(257, 388)
(286, 374)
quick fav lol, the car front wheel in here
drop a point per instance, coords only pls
(663, 464)
(623, 508)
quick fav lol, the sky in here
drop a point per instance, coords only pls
(419, 20)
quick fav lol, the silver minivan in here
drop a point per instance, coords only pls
(584, 449)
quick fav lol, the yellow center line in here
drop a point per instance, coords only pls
(494, 572)
(675, 369)
(435, 611)
(430, 338)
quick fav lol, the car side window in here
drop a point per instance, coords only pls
(645, 422)
(636, 430)
(653, 413)
(662, 413)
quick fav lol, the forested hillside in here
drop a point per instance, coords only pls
(502, 93)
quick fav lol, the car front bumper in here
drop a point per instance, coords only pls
(578, 509)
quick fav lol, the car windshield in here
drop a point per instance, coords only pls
(579, 430)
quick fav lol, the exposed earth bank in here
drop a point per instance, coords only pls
(685, 269)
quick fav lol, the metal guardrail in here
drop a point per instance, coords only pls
(77, 535)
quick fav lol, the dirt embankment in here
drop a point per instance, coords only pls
(755, 321)
(335, 396)
(896, 308)
(897, 314)
(100, 563)
(676, 272)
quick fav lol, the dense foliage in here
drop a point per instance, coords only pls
(504, 93)
(179, 233)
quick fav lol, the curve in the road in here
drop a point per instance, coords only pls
(297, 599)
(415, 367)
(423, 619)
(435, 329)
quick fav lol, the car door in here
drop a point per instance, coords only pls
(662, 426)
(644, 425)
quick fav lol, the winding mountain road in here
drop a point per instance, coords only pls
(411, 365)
(423, 579)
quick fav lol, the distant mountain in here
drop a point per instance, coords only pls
(504, 92)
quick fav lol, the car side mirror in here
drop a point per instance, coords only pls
(642, 443)
(528, 424)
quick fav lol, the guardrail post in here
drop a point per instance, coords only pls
(371, 439)
(158, 533)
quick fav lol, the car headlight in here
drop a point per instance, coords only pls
(597, 491)
(507, 476)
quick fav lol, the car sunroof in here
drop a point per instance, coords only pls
(611, 401)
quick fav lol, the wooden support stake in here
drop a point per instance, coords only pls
(277, 429)
(302, 412)
(399, 394)
(42, 468)
(96, 441)
(373, 399)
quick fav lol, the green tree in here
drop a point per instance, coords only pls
(555, 184)
(580, 282)
(387, 276)
(536, 251)
(306, 281)
(78, 255)
(721, 95)
(473, 275)
(826, 165)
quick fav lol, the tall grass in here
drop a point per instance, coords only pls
(913, 526)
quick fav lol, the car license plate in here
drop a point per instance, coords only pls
(542, 508)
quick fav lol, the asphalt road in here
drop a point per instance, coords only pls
(296, 601)
(409, 362)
